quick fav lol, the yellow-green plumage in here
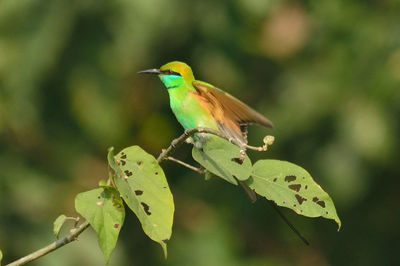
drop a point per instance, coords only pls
(184, 105)
(196, 103)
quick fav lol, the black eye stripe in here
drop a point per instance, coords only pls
(170, 72)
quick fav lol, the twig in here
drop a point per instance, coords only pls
(188, 133)
(268, 141)
(71, 236)
(191, 167)
(288, 223)
(255, 148)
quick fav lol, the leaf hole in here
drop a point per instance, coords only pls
(237, 160)
(300, 199)
(319, 202)
(290, 178)
(295, 187)
(146, 208)
(128, 173)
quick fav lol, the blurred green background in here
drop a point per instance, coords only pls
(327, 73)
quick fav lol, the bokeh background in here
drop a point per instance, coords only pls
(327, 73)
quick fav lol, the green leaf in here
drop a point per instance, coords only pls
(110, 157)
(291, 186)
(58, 223)
(218, 156)
(143, 186)
(104, 210)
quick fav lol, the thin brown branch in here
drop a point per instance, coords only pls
(188, 133)
(71, 236)
(254, 148)
(191, 167)
(268, 141)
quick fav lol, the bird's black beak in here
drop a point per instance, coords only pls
(150, 71)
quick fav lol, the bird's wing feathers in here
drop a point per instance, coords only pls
(231, 115)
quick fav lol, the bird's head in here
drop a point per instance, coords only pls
(172, 74)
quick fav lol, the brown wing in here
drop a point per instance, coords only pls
(232, 115)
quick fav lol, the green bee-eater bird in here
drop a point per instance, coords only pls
(199, 104)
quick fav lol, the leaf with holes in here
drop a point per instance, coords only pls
(104, 210)
(143, 186)
(58, 223)
(218, 156)
(291, 186)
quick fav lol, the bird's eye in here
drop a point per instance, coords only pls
(170, 72)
